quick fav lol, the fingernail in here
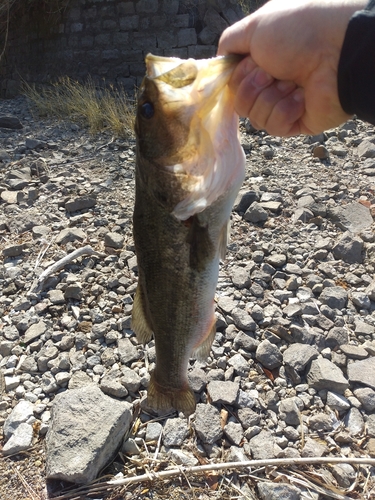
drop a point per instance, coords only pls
(261, 79)
(285, 86)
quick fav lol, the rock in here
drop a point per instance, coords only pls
(334, 297)
(321, 152)
(223, 392)
(313, 448)
(153, 431)
(20, 440)
(367, 398)
(175, 432)
(362, 372)
(244, 200)
(130, 379)
(321, 422)
(180, 457)
(111, 384)
(289, 412)
(349, 248)
(11, 122)
(35, 331)
(240, 277)
(208, 423)
(76, 447)
(354, 422)
(197, 379)
(234, 432)
(80, 203)
(269, 355)
(263, 446)
(243, 320)
(127, 351)
(255, 213)
(354, 351)
(324, 374)
(344, 474)
(298, 356)
(70, 234)
(337, 402)
(20, 414)
(352, 217)
(56, 297)
(278, 491)
(114, 240)
(366, 149)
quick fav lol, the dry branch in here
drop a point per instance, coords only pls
(60, 264)
(151, 476)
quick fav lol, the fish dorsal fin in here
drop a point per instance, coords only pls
(140, 324)
(202, 351)
(202, 249)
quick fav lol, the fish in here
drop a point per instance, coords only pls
(189, 168)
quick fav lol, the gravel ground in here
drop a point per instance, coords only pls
(292, 369)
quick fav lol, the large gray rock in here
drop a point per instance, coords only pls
(85, 431)
(298, 356)
(20, 414)
(352, 217)
(362, 372)
(208, 423)
(324, 374)
(269, 355)
(223, 392)
(20, 440)
(349, 248)
(278, 491)
(334, 297)
(263, 446)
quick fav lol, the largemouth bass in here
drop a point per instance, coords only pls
(190, 166)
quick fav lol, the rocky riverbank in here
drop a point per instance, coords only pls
(292, 369)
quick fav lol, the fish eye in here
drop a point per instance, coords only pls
(147, 110)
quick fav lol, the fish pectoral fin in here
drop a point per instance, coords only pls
(164, 398)
(202, 249)
(202, 351)
(140, 324)
(224, 239)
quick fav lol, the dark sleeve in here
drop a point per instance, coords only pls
(356, 71)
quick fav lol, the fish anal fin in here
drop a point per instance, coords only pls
(140, 324)
(202, 249)
(165, 398)
(202, 351)
(224, 239)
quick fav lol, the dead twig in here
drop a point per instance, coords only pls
(281, 462)
(60, 264)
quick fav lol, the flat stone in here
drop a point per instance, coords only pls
(354, 351)
(175, 432)
(20, 440)
(208, 423)
(352, 217)
(362, 372)
(324, 374)
(269, 355)
(222, 392)
(278, 491)
(77, 448)
(35, 331)
(70, 234)
(298, 356)
(80, 203)
(20, 413)
(11, 122)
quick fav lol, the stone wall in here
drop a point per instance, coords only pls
(108, 39)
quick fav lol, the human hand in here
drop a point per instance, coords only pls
(287, 84)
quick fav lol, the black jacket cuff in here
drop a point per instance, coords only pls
(356, 70)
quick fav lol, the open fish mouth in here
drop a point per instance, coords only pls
(194, 95)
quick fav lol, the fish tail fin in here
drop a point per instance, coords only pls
(164, 398)
(202, 351)
(140, 324)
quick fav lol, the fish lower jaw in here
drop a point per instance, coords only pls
(164, 398)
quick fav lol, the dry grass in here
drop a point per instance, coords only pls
(101, 109)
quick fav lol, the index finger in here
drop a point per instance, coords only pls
(236, 38)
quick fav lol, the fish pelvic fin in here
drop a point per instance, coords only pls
(140, 324)
(202, 351)
(164, 398)
(224, 240)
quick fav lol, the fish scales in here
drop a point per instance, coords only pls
(181, 213)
